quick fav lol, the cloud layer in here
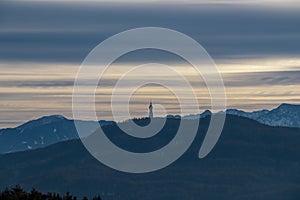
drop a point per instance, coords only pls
(42, 44)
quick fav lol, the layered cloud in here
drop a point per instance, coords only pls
(42, 44)
(66, 32)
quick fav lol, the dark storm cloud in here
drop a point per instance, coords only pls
(66, 32)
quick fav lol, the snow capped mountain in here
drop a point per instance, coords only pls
(52, 129)
(41, 121)
(263, 157)
(40, 133)
(287, 115)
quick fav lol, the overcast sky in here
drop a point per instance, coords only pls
(255, 44)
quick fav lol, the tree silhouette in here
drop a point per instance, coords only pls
(17, 193)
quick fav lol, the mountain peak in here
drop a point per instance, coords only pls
(287, 115)
(55, 117)
(207, 112)
(43, 120)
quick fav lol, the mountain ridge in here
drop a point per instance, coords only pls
(47, 130)
(250, 161)
(286, 115)
(40, 133)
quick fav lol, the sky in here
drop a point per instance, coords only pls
(255, 45)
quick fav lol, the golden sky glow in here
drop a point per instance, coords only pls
(30, 90)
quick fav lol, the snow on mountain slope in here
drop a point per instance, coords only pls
(40, 133)
(52, 129)
(286, 115)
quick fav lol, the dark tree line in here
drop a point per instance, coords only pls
(17, 193)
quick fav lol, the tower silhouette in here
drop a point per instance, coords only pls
(150, 110)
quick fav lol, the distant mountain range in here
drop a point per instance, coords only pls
(286, 115)
(250, 161)
(40, 133)
(52, 129)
